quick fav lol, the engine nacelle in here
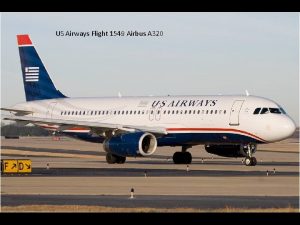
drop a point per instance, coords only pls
(131, 144)
(226, 150)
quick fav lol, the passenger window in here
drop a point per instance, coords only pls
(224, 111)
(256, 111)
(264, 111)
(211, 111)
(216, 111)
(79, 112)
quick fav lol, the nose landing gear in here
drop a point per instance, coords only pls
(250, 160)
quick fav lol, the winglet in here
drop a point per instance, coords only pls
(24, 39)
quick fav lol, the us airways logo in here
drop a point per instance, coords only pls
(184, 103)
(32, 74)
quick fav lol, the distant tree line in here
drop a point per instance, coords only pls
(12, 130)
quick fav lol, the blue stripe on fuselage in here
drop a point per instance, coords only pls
(179, 139)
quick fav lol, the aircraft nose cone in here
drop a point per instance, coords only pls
(288, 127)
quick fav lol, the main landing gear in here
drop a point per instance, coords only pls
(250, 160)
(182, 157)
(111, 159)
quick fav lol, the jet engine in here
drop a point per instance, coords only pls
(131, 144)
(227, 150)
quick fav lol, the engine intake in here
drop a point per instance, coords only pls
(131, 144)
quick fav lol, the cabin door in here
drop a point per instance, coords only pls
(235, 113)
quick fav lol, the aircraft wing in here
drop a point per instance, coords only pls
(95, 127)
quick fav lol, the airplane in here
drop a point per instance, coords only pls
(227, 125)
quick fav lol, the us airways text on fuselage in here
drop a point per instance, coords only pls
(183, 103)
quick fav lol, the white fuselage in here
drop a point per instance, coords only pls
(232, 115)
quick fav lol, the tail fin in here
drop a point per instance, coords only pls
(37, 82)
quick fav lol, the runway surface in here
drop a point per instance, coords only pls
(155, 201)
(78, 174)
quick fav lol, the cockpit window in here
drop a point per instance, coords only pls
(264, 111)
(269, 110)
(282, 110)
(275, 110)
(256, 111)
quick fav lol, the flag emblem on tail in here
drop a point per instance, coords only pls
(32, 74)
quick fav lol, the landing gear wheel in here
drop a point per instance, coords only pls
(121, 159)
(182, 158)
(111, 159)
(188, 158)
(176, 157)
(253, 161)
(250, 161)
(247, 161)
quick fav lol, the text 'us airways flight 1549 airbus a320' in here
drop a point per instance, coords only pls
(229, 126)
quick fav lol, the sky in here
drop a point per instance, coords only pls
(197, 54)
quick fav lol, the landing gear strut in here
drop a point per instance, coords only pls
(182, 157)
(250, 160)
(111, 159)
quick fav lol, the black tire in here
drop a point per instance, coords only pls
(187, 157)
(176, 157)
(182, 158)
(121, 159)
(110, 158)
(253, 161)
(248, 161)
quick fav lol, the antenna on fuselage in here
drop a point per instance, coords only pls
(119, 95)
(247, 92)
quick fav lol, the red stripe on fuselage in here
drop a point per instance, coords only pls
(216, 129)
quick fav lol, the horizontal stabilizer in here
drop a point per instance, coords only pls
(18, 111)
